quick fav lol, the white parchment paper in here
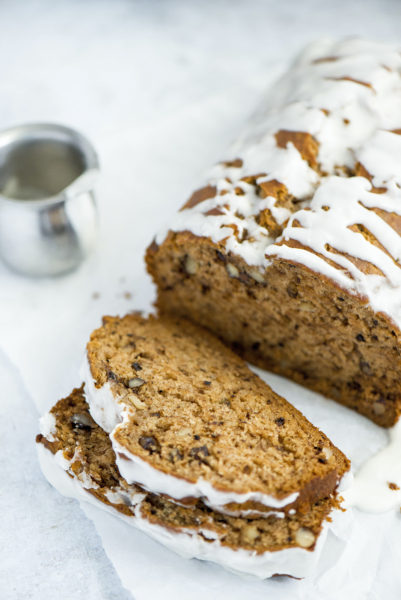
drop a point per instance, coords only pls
(160, 88)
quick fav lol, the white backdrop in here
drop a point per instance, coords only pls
(160, 87)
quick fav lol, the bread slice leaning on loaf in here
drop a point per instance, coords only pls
(291, 250)
(77, 457)
(188, 420)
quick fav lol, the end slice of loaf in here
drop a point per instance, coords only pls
(191, 421)
(261, 547)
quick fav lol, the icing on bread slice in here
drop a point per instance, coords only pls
(77, 457)
(189, 420)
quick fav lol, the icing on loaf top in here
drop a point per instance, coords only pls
(316, 177)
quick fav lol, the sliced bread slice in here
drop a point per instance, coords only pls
(189, 420)
(77, 457)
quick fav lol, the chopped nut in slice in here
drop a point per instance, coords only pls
(81, 421)
(135, 382)
(232, 270)
(256, 275)
(199, 453)
(327, 452)
(379, 408)
(175, 454)
(149, 443)
(249, 534)
(137, 402)
(304, 537)
(183, 432)
(190, 265)
(306, 306)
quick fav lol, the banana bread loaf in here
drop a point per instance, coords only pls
(291, 250)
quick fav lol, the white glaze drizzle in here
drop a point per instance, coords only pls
(350, 105)
(371, 490)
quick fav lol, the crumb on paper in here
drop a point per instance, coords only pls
(127, 295)
(393, 486)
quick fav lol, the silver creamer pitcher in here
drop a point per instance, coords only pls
(48, 218)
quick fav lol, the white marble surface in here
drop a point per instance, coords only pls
(160, 87)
